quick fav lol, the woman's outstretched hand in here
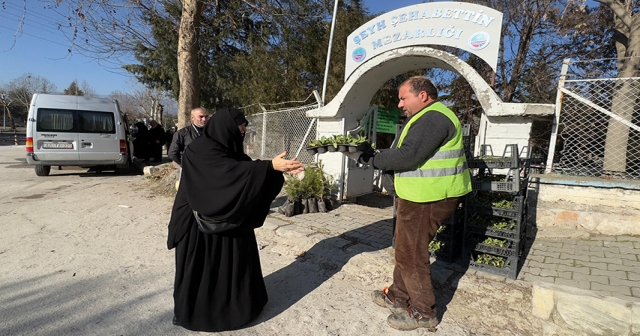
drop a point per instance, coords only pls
(286, 166)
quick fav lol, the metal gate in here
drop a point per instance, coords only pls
(273, 132)
(596, 130)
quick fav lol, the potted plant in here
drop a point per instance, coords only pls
(357, 143)
(293, 188)
(324, 142)
(341, 142)
(332, 145)
(325, 189)
(312, 146)
(309, 194)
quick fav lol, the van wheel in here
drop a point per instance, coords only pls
(43, 170)
(123, 169)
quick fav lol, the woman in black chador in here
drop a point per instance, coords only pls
(219, 284)
(141, 142)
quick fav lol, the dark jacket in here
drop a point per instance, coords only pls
(181, 139)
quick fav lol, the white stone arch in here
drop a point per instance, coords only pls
(354, 97)
(501, 123)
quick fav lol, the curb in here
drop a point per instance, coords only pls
(572, 311)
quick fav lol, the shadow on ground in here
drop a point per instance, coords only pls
(290, 284)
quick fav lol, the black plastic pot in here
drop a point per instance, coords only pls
(312, 203)
(312, 150)
(343, 148)
(322, 205)
(331, 148)
(305, 206)
(291, 208)
(357, 148)
(322, 149)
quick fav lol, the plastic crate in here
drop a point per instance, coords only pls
(510, 186)
(451, 250)
(512, 161)
(512, 248)
(457, 216)
(515, 212)
(515, 234)
(509, 271)
(472, 226)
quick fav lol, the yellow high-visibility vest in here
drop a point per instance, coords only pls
(443, 175)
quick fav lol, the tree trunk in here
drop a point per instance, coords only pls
(188, 47)
(624, 101)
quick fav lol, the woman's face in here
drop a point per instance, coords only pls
(243, 129)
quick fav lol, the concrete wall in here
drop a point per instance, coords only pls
(579, 206)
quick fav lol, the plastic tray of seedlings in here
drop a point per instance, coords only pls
(338, 143)
(488, 160)
(497, 246)
(493, 226)
(503, 205)
(493, 264)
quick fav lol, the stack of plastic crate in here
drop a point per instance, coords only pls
(446, 246)
(495, 212)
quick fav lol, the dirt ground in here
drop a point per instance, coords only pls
(84, 253)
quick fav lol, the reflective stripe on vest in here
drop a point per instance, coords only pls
(444, 174)
(435, 172)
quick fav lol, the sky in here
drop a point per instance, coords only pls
(41, 49)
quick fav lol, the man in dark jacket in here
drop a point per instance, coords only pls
(156, 140)
(184, 136)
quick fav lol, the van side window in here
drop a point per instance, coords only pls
(56, 120)
(97, 122)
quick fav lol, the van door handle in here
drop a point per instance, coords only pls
(87, 145)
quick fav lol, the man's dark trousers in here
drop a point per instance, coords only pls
(417, 224)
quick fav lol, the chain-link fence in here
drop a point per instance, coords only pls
(598, 131)
(273, 132)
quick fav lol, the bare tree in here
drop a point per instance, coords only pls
(88, 90)
(21, 89)
(6, 102)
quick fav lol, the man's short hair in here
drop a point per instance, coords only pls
(418, 84)
(199, 109)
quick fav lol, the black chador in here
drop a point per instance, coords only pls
(219, 284)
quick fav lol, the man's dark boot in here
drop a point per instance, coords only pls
(380, 298)
(411, 319)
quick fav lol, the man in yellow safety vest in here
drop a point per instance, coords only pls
(430, 174)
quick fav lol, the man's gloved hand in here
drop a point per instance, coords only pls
(355, 156)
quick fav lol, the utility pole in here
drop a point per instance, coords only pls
(5, 109)
(326, 68)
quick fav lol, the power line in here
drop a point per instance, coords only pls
(38, 37)
(34, 13)
(30, 24)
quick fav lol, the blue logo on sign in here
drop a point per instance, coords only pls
(359, 54)
(479, 41)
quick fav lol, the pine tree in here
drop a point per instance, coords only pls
(73, 90)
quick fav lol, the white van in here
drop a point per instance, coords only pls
(77, 131)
